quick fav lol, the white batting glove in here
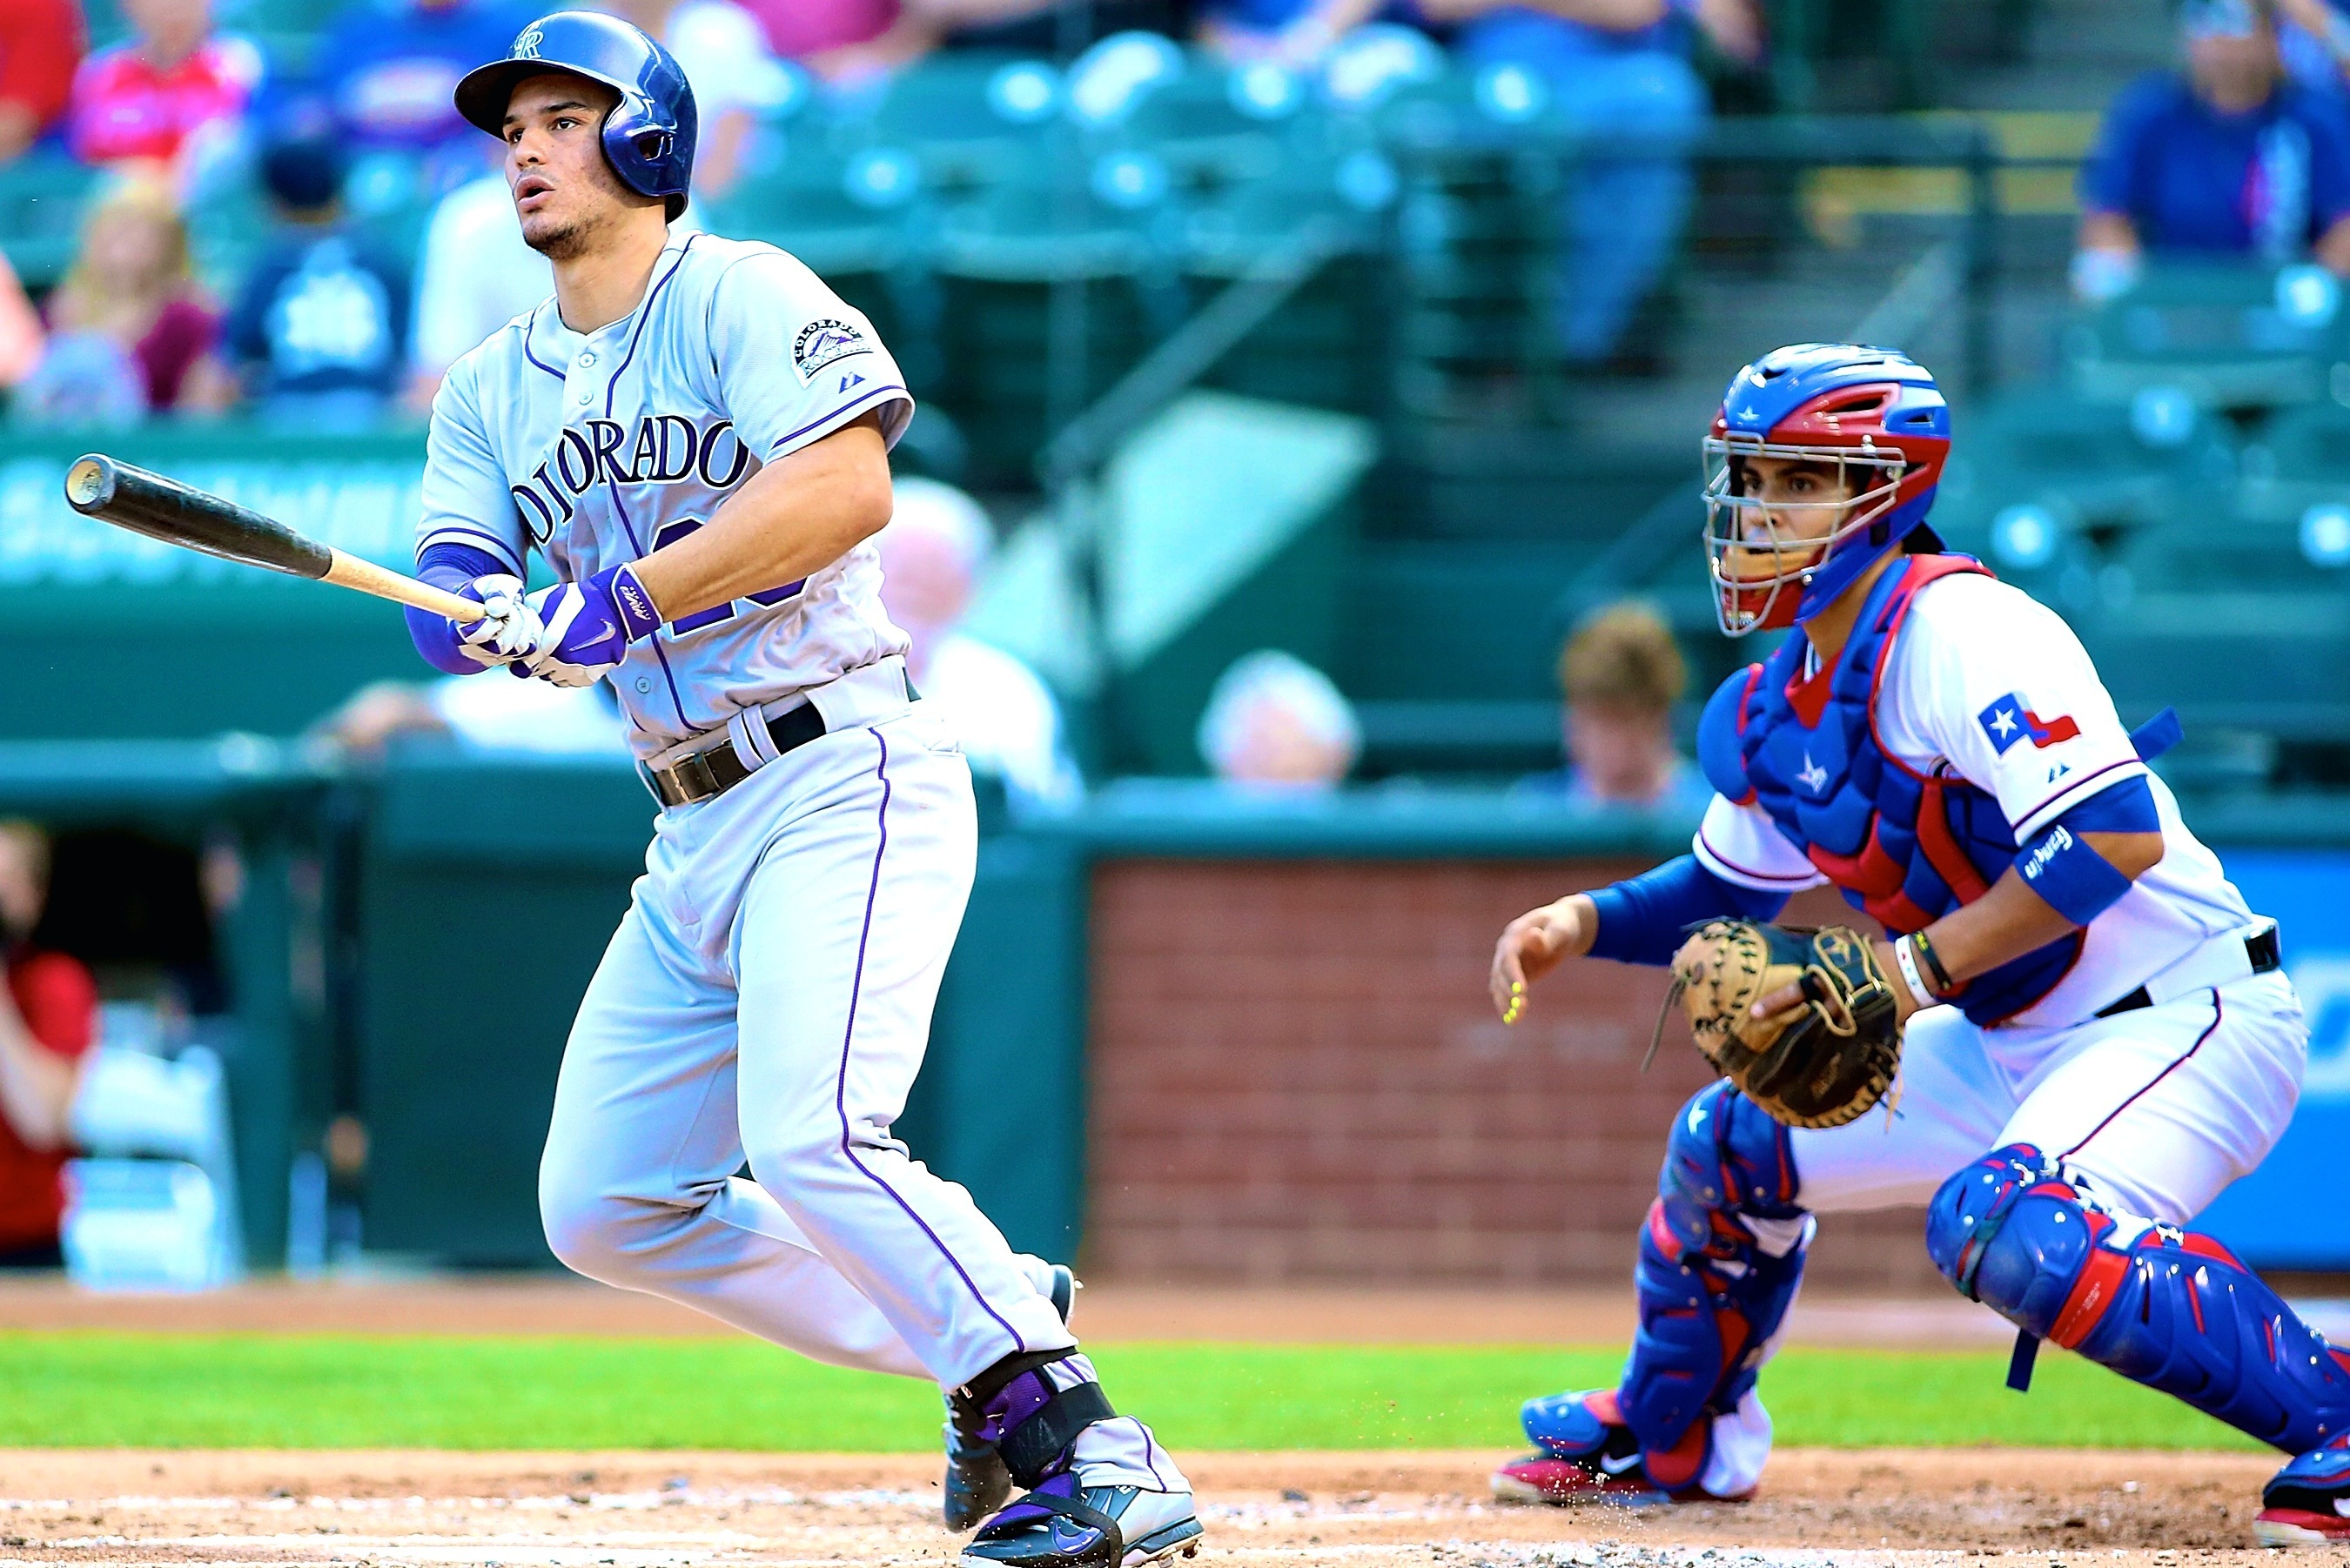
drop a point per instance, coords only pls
(510, 629)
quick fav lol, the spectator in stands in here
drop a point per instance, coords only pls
(1621, 674)
(2313, 42)
(172, 93)
(1294, 33)
(1617, 67)
(391, 67)
(317, 329)
(473, 274)
(40, 46)
(524, 717)
(48, 1018)
(2227, 159)
(128, 329)
(21, 336)
(1275, 721)
(932, 552)
(735, 75)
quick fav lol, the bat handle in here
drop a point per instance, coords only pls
(350, 571)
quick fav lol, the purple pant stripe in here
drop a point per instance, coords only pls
(840, 1091)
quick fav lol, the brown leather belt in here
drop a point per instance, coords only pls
(717, 769)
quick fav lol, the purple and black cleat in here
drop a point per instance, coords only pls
(977, 1482)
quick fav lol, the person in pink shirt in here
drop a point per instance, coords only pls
(150, 97)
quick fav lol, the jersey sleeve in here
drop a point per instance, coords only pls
(2007, 693)
(1741, 844)
(466, 497)
(795, 362)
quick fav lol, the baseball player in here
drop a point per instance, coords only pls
(2096, 1040)
(694, 433)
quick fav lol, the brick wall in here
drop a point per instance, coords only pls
(1294, 1074)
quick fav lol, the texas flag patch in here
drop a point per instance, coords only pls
(2008, 720)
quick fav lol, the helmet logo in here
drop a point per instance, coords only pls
(526, 47)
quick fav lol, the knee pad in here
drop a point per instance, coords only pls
(2162, 1306)
(1722, 1255)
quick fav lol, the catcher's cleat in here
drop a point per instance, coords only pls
(2304, 1504)
(1589, 1455)
(1062, 1525)
(977, 1482)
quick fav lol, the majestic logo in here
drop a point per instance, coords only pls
(660, 449)
(526, 47)
(2008, 720)
(1814, 777)
(821, 342)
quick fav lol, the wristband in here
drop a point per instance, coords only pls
(1944, 984)
(1908, 965)
(639, 619)
(2075, 880)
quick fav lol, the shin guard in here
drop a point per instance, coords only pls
(2162, 1306)
(1720, 1257)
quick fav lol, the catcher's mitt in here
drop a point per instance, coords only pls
(1817, 1065)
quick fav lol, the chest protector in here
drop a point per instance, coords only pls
(1904, 847)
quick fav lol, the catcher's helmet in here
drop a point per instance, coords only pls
(1875, 414)
(649, 135)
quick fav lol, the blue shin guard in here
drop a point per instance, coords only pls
(2168, 1308)
(1721, 1256)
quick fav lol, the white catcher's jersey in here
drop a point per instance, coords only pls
(598, 449)
(1987, 678)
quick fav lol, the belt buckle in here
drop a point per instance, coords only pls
(694, 778)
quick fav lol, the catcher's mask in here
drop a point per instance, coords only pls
(1871, 416)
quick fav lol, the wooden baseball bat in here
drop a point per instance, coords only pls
(160, 508)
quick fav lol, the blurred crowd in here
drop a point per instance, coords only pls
(2243, 149)
(330, 323)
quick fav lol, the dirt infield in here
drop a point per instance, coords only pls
(392, 1510)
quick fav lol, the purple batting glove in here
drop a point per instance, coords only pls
(589, 626)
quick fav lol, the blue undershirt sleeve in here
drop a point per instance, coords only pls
(1645, 919)
(452, 566)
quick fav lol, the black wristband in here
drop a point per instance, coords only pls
(1933, 961)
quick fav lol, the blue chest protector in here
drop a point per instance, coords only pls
(1904, 847)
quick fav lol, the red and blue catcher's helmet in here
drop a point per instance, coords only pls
(1872, 414)
(648, 136)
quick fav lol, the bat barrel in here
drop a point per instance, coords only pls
(129, 497)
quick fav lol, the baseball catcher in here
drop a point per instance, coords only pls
(2075, 1032)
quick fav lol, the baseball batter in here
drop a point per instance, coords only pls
(2097, 1038)
(694, 433)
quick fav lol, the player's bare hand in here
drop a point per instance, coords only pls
(509, 629)
(1787, 998)
(1531, 947)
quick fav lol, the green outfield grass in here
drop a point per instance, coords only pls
(324, 1391)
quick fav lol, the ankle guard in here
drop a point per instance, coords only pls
(2162, 1306)
(1032, 1408)
(1721, 1256)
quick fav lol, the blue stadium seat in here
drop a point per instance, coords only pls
(42, 196)
(2229, 336)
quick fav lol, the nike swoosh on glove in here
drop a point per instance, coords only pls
(508, 631)
(589, 626)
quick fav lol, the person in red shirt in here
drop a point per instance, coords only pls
(48, 1015)
(40, 44)
(151, 97)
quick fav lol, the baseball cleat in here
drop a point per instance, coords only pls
(2303, 1503)
(1588, 1455)
(977, 1482)
(1060, 1526)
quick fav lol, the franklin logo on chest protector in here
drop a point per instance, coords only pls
(821, 342)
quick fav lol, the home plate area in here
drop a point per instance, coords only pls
(1429, 1509)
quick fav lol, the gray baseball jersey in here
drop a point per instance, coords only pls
(597, 449)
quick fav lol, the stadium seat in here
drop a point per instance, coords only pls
(2229, 337)
(41, 200)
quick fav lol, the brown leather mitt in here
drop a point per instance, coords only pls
(1820, 1065)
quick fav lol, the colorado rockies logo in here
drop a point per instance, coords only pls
(821, 342)
(526, 47)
